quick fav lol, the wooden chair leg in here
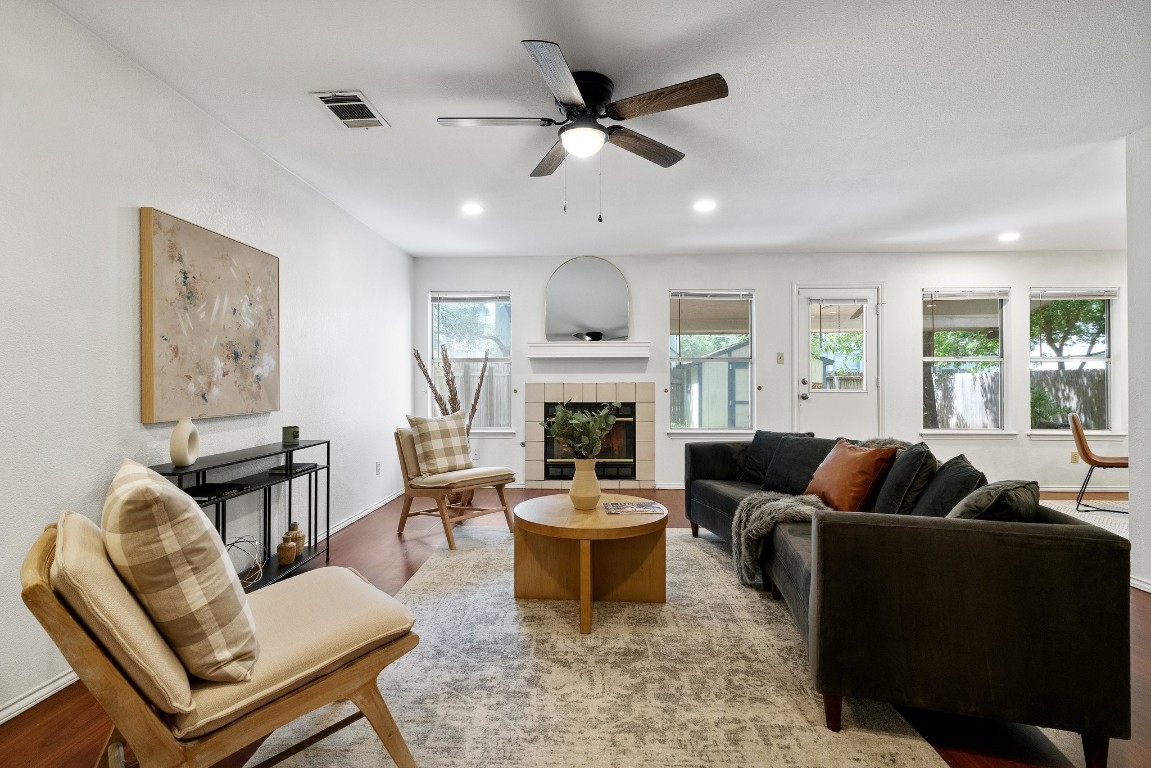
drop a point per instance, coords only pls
(371, 703)
(404, 513)
(112, 753)
(832, 712)
(447, 522)
(1095, 750)
(504, 501)
(695, 530)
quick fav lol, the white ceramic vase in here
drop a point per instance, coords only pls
(184, 446)
(584, 492)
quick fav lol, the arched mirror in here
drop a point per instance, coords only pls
(586, 300)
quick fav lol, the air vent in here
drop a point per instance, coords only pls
(351, 109)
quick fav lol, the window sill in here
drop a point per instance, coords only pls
(968, 434)
(695, 434)
(1064, 435)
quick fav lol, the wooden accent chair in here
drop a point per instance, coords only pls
(325, 635)
(439, 486)
(1093, 460)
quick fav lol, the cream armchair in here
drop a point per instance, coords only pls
(324, 636)
(439, 486)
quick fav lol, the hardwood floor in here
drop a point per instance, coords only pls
(68, 728)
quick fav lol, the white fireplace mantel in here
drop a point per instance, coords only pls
(589, 349)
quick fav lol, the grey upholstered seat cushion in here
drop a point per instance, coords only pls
(713, 503)
(791, 568)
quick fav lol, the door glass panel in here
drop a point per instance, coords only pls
(838, 341)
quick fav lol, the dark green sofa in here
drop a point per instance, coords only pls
(1024, 622)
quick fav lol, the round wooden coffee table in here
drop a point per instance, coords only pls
(555, 559)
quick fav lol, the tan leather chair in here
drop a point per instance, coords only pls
(463, 482)
(324, 635)
(1093, 461)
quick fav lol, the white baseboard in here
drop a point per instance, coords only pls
(1092, 489)
(37, 695)
(1143, 585)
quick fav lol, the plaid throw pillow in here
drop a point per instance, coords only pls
(173, 560)
(441, 443)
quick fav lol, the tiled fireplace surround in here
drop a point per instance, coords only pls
(641, 392)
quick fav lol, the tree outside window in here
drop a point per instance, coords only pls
(469, 325)
(1070, 357)
(963, 359)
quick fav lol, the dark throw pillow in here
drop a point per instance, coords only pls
(909, 475)
(1011, 501)
(761, 450)
(794, 463)
(948, 486)
(850, 476)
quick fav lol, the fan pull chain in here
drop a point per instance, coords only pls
(601, 187)
(565, 185)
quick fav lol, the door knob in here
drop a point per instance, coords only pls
(804, 396)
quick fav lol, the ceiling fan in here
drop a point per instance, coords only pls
(584, 98)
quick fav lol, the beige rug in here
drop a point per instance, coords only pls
(716, 676)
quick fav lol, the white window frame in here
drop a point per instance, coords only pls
(1003, 295)
(674, 359)
(1111, 295)
(433, 357)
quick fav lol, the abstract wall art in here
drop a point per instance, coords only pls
(209, 323)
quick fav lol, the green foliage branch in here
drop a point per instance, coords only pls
(581, 432)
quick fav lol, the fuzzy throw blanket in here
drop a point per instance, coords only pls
(755, 519)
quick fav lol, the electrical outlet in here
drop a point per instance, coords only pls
(779, 358)
(377, 467)
(1075, 457)
(475, 453)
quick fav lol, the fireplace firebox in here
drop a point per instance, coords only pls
(617, 459)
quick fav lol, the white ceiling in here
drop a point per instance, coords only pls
(904, 125)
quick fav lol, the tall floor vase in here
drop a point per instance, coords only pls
(584, 492)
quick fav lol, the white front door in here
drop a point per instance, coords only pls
(837, 361)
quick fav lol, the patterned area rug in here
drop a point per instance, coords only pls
(716, 676)
(1116, 522)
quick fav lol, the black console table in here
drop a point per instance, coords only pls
(194, 479)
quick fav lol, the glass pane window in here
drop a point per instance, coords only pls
(711, 360)
(470, 325)
(1070, 357)
(963, 359)
(837, 346)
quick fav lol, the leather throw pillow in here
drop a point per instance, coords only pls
(848, 479)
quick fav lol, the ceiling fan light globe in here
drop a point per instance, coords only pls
(583, 140)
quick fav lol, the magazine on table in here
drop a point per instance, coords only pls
(633, 507)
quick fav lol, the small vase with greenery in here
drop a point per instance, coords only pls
(582, 433)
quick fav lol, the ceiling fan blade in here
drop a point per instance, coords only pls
(485, 121)
(672, 97)
(554, 68)
(647, 148)
(552, 160)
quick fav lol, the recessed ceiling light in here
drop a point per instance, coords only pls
(472, 209)
(704, 206)
(1008, 237)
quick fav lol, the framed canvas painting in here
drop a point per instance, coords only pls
(209, 323)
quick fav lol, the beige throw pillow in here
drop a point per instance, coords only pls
(441, 443)
(172, 559)
(84, 577)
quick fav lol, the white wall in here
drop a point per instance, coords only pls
(903, 276)
(86, 138)
(1139, 318)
